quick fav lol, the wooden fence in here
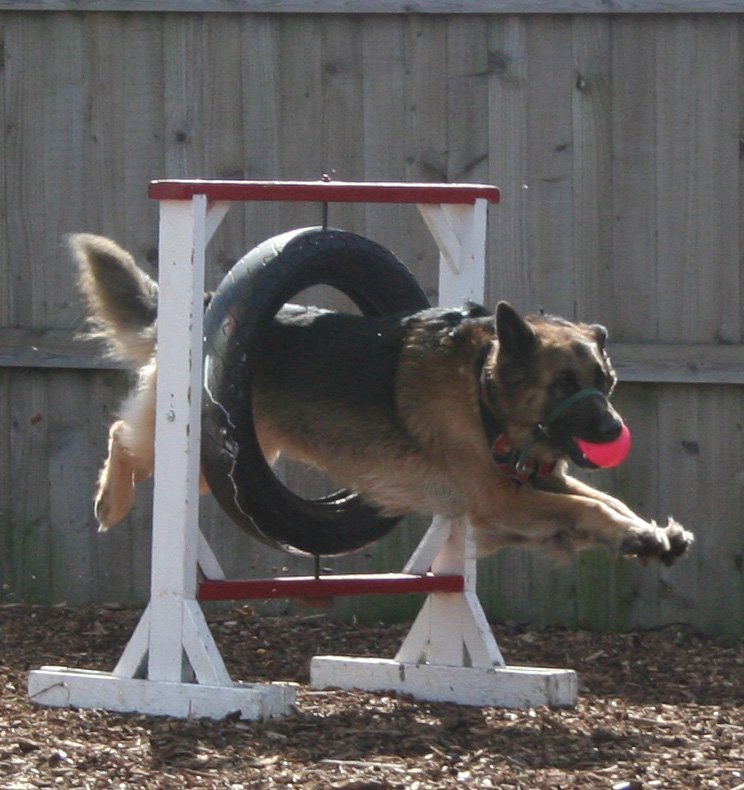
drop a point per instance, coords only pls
(616, 139)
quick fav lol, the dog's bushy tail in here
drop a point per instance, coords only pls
(120, 297)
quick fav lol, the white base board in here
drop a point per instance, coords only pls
(84, 688)
(502, 687)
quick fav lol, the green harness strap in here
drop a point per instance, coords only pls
(542, 428)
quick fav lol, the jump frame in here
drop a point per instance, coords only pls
(171, 664)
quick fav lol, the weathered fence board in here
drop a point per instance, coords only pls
(384, 6)
(634, 180)
(550, 156)
(592, 165)
(615, 139)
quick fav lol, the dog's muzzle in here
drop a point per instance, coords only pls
(606, 431)
(516, 463)
(609, 430)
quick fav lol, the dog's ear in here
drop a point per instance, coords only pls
(517, 343)
(516, 338)
(600, 335)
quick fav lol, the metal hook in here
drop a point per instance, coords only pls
(326, 179)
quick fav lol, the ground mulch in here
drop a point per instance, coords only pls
(661, 709)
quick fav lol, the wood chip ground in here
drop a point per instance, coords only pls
(661, 709)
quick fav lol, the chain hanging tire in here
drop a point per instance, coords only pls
(240, 312)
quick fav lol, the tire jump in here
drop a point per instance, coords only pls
(240, 312)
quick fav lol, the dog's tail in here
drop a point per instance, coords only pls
(120, 297)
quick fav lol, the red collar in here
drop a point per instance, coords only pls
(507, 459)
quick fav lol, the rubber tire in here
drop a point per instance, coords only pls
(239, 313)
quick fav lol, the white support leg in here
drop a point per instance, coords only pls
(450, 654)
(172, 665)
(460, 234)
(451, 628)
(209, 565)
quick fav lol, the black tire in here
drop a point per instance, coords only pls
(239, 313)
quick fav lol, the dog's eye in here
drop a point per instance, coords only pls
(566, 383)
(608, 384)
(604, 381)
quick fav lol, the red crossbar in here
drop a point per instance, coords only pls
(323, 191)
(329, 586)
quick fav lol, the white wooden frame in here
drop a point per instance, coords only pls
(171, 664)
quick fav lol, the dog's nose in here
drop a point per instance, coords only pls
(609, 428)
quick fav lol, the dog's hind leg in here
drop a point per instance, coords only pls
(121, 472)
(131, 453)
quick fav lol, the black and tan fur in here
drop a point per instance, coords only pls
(398, 408)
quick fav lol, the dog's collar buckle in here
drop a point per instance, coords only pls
(518, 469)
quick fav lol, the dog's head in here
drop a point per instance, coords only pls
(538, 364)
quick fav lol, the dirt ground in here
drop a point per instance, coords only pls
(662, 709)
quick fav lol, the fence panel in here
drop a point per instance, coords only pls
(615, 138)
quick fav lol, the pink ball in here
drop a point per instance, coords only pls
(610, 453)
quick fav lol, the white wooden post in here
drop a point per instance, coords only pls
(171, 665)
(450, 654)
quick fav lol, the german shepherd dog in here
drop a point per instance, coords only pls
(440, 411)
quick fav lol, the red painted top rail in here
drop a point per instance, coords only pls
(323, 191)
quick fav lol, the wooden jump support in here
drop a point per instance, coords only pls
(171, 664)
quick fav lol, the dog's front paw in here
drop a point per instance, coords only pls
(680, 541)
(653, 542)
